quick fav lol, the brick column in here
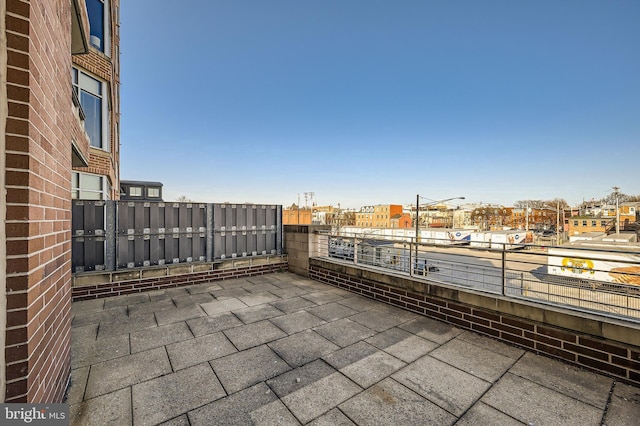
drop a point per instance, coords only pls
(39, 124)
(3, 206)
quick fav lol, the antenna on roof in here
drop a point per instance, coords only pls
(307, 196)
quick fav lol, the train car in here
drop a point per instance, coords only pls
(586, 260)
(480, 239)
(508, 240)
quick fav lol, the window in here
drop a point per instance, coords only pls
(153, 192)
(88, 187)
(99, 23)
(91, 92)
(135, 191)
(575, 223)
(593, 223)
(584, 223)
(603, 223)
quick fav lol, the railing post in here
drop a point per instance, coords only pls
(504, 270)
(355, 250)
(411, 271)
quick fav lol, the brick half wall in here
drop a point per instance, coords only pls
(596, 343)
(98, 285)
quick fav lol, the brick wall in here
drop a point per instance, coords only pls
(3, 208)
(107, 68)
(140, 283)
(611, 348)
(577, 226)
(39, 128)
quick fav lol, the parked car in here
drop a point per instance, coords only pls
(423, 267)
(341, 249)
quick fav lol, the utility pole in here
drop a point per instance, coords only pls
(558, 223)
(415, 261)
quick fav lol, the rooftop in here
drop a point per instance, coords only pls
(281, 348)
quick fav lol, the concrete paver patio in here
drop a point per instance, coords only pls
(283, 349)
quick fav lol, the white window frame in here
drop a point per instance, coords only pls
(155, 190)
(106, 122)
(137, 189)
(76, 190)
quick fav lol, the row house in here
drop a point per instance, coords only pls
(378, 216)
(340, 218)
(437, 216)
(488, 218)
(401, 220)
(535, 218)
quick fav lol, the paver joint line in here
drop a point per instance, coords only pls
(323, 371)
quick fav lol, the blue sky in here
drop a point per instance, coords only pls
(368, 102)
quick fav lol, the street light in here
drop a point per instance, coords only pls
(418, 216)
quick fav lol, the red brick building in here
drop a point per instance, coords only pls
(402, 220)
(44, 133)
(378, 216)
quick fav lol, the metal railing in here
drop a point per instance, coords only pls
(605, 282)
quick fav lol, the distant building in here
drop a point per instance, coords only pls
(401, 220)
(488, 218)
(139, 190)
(535, 218)
(378, 216)
(295, 215)
(602, 218)
(320, 215)
(364, 217)
(437, 216)
(588, 223)
(330, 215)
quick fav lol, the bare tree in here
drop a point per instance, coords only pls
(534, 204)
(539, 204)
(183, 199)
(622, 198)
(561, 202)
